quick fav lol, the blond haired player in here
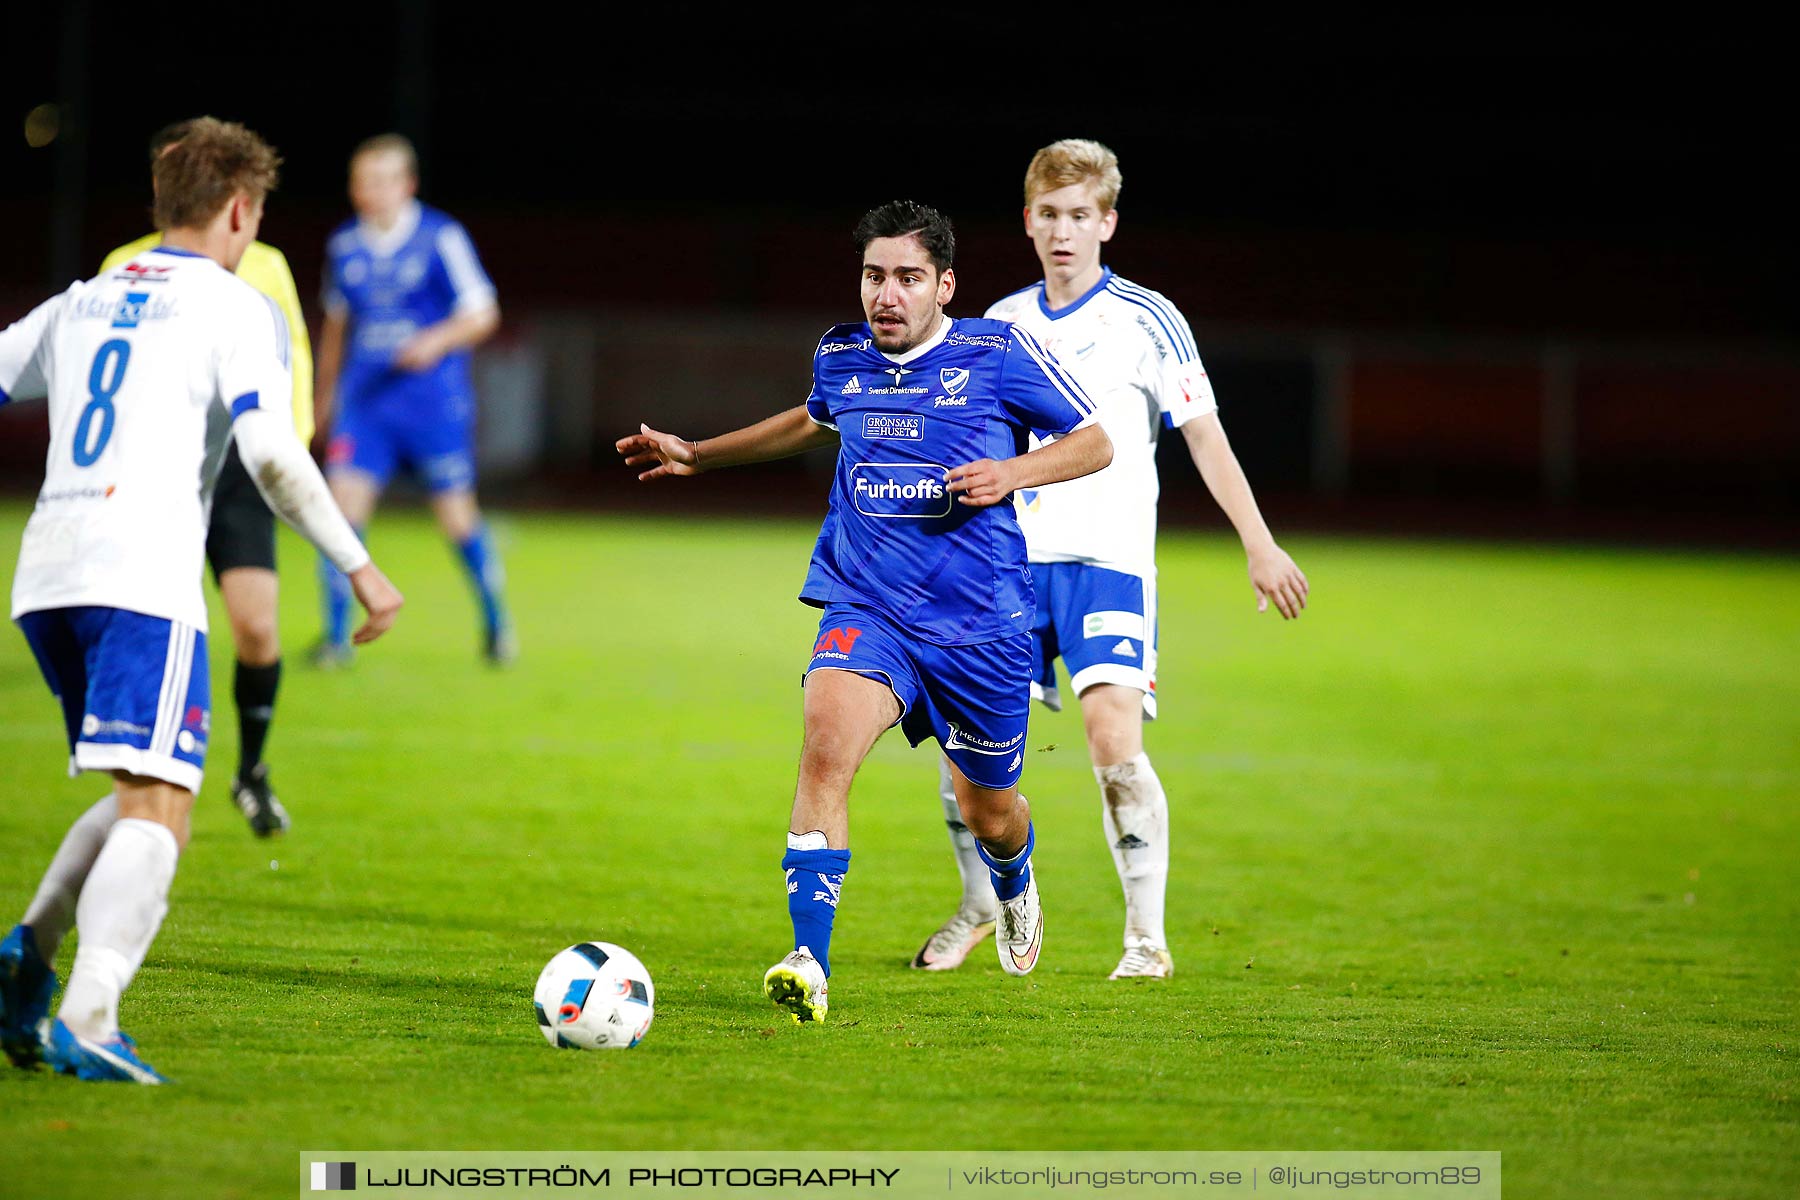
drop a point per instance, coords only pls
(240, 541)
(1092, 541)
(147, 369)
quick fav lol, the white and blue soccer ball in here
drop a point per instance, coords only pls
(595, 996)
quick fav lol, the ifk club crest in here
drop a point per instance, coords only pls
(954, 379)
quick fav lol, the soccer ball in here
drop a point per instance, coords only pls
(594, 996)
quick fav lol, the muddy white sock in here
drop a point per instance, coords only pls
(1135, 813)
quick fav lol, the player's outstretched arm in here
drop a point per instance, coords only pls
(289, 480)
(991, 480)
(1273, 574)
(664, 454)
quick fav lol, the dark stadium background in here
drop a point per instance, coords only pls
(1464, 288)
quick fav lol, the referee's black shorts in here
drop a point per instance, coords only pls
(242, 533)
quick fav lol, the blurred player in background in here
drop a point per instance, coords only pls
(920, 568)
(148, 369)
(240, 542)
(1093, 540)
(405, 301)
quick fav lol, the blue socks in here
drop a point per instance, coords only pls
(1011, 875)
(815, 876)
(336, 587)
(483, 565)
(478, 559)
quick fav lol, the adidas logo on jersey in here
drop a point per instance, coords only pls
(852, 388)
(1125, 648)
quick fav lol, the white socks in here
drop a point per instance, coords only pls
(978, 886)
(52, 910)
(121, 908)
(1135, 813)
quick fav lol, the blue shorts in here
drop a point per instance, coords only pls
(438, 448)
(135, 692)
(1101, 623)
(973, 699)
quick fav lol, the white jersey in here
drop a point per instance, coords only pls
(1135, 356)
(145, 367)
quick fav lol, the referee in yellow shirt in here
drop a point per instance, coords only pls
(240, 544)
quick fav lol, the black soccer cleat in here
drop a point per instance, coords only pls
(256, 800)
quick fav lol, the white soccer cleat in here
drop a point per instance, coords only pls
(1144, 960)
(797, 984)
(1019, 934)
(946, 949)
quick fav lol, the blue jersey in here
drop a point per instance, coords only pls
(895, 538)
(391, 284)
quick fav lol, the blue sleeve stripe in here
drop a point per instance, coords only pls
(1166, 314)
(244, 404)
(4, 398)
(1173, 325)
(1053, 371)
(1065, 383)
(1159, 304)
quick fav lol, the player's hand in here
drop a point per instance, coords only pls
(381, 598)
(1276, 577)
(420, 352)
(660, 453)
(982, 483)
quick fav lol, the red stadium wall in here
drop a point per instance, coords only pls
(1455, 424)
(1350, 367)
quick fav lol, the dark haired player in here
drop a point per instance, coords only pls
(920, 567)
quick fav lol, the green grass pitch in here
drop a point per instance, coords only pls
(1494, 850)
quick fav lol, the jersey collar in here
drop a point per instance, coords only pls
(175, 250)
(923, 348)
(387, 242)
(1056, 314)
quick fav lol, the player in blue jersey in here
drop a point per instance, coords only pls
(405, 301)
(920, 567)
